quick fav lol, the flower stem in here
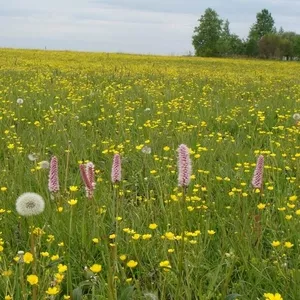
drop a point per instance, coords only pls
(33, 252)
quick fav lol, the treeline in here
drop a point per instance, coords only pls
(212, 37)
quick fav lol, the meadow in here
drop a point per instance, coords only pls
(146, 237)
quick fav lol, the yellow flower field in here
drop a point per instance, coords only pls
(87, 234)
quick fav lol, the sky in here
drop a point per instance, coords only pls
(132, 26)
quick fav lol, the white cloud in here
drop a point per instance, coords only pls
(156, 26)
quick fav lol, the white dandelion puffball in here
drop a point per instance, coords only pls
(296, 117)
(44, 164)
(146, 150)
(32, 156)
(20, 101)
(30, 204)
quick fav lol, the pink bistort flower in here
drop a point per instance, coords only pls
(116, 169)
(257, 179)
(53, 182)
(184, 166)
(87, 172)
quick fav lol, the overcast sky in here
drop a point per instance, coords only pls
(135, 26)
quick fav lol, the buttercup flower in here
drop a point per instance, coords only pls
(132, 264)
(96, 268)
(270, 296)
(32, 279)
(29, 204)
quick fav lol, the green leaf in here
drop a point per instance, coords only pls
(77, 294)
(127, 293)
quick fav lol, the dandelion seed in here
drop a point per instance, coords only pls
(146, 150)
(32, 156)
(29, 204)
(184, 166)
(296, 117)
(257, 179)
(44, 164)
(116, 169)
(20, 101)
(53, 183)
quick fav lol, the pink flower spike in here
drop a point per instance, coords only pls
(116, 169)
(90, 171)
(257, 179)
(53, 182)
(184, 166)
(84, 176)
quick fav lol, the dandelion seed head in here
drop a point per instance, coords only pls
(146, 150)
(32, 156)
(30, 204)
(296, 117)
(20, 101)
(44, 164)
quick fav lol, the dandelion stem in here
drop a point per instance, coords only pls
(33, 252)
(21, 264)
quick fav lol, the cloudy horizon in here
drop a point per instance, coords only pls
(133, 26)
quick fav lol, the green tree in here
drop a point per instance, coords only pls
(207, 34)
(229, 44)
(264, 25)
(270, 46)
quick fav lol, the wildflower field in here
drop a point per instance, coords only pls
(144, 177)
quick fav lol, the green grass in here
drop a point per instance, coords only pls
(86, 107)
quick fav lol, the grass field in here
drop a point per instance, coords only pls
(146, 237)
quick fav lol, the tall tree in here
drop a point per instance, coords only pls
(264, 25)
(229, 44)
(270, 46)
(207, 34)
